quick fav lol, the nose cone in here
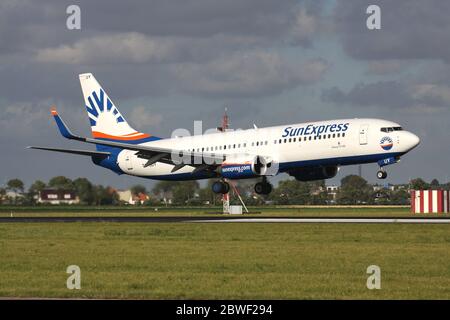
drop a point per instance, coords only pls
(412, 140)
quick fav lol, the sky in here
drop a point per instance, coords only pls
(166, 64)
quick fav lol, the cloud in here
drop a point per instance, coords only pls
(144, 120)
(422, 98)
(387, 67)
(19, 121)
(138, 48)
(127, 47)
(248, 74)
(178, 61)
(244, 73)
(412, 29)
(202, 18)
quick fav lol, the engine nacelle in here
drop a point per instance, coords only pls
(242, 167)
(314, 173)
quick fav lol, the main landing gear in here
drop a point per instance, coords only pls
(223, 187)
(263, 187)
(381, 174)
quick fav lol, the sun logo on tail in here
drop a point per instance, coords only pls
(98, 104)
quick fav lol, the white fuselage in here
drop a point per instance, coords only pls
(334, 142)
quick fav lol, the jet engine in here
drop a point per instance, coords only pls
(248, 166)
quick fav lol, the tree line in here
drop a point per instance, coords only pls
(353, 190)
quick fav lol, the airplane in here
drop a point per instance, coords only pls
(307, 151)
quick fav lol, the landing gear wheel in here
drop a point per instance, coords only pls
(226, 187)
(381, 174)
(259, 188)
(220, 187)
(263, 188)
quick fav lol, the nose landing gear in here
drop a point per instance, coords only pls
(381, 174)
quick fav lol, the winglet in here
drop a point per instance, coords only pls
(53, 111)
(63, 129)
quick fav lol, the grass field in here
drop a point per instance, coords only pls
(282, 211)
(226, 261)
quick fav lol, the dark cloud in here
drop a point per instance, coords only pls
(152, 48)
(167, 63)
(416, 97)
(27, 25)
(248, 75)
(384, 94)
(200, 18)
(388, 67)
(412, 29)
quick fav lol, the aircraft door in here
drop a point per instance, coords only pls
(363, 131)
(129, 161)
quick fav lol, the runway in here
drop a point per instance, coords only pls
(222, 219)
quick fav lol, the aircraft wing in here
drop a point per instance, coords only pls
(151, 153)
(74, 151)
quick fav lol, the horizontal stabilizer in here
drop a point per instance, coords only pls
(74, 151)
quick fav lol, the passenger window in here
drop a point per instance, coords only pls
(338, 135)
(285, 140)
(343, 134)
(295, 139)
(274, 141)
(279, 141)
(290, 139)
(334, 135)
(309, 138)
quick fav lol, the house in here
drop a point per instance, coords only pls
(332, 191)
(391, 187)
(125, 196)
(53, 196)
(11, 197)
(140, 198)
(128, 197)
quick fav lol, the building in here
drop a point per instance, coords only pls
(12, 197)
(53, 196)
(332, 191)
(125, 196)
(128, 197)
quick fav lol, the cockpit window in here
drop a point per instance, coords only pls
(390, 129)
